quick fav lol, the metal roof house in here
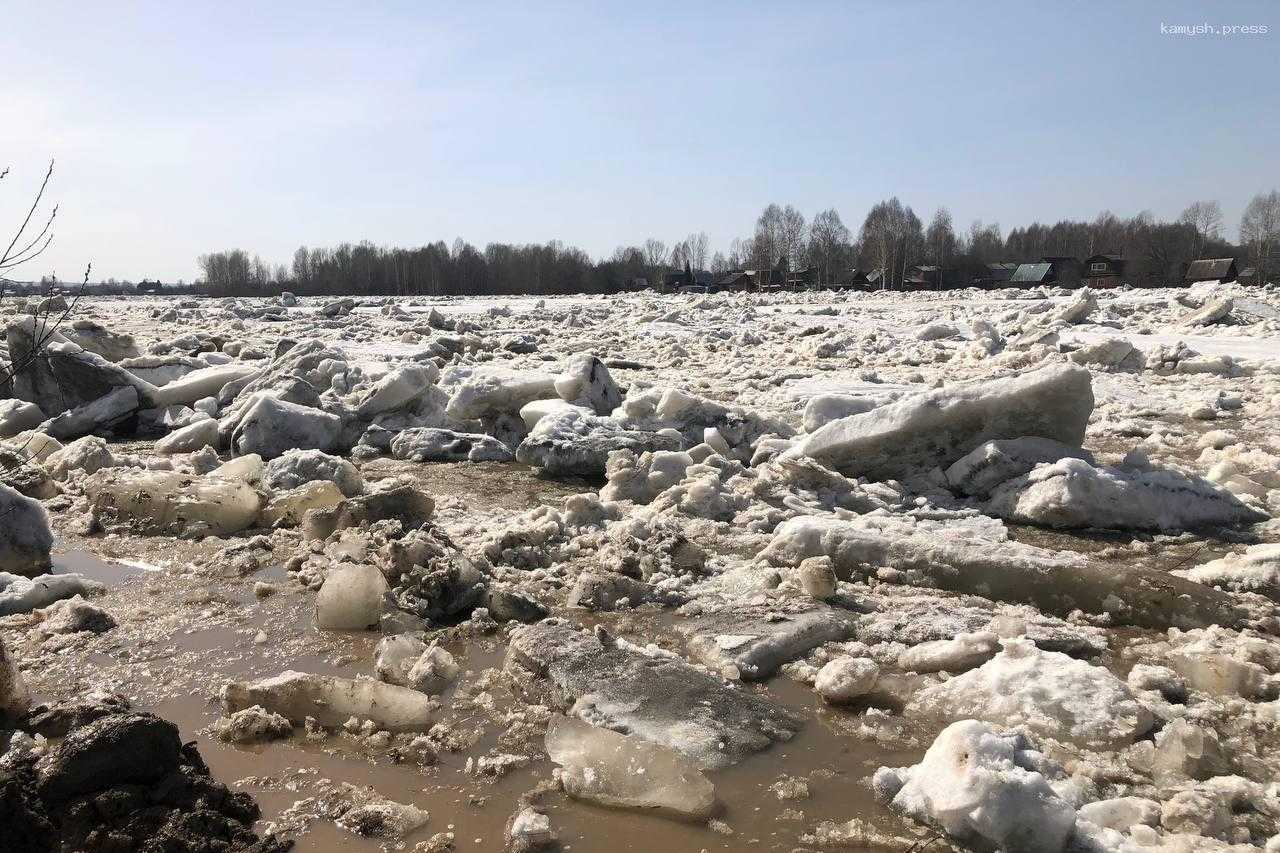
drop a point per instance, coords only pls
(1220, 270)
(1039, 273)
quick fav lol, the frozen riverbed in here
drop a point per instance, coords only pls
(794, 552)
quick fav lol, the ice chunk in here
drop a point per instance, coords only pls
(297, 467)
(967, 559)
(1046, 692)
(493, 391)
(978, 785)
(1256, 570)
(528, 831)
(445, 445)
(614, 770)
(15, 698)
(1186, 751)
(1073, 493)
(535, 411)
(979, 472)
(1113, 354)
(165, 502)
(1213, 311)
(190, 438)
(960, 653)
(350, 599)
(644, 478)
(198, 384)
(655, 696)
(822, 409)
(332, 701)
(270, 427)
(22, 595)
(1079, 309)
(571, 444)
(96, 415)
(408, 505)
(25, 537)
(89, 454)
(252, 725)
(586, 382)
(1121, 813)
(757, 641)
(846, 678)
(17, 416)
(397, 389)
(409, 662)
(288, 509)
(938, 427)
(817, 577)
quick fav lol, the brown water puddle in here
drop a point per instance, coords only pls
(179, 673)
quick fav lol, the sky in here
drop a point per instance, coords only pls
(183, 128)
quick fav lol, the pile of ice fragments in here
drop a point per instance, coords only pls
(947, 512)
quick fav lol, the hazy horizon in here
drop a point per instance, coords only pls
(180, 131)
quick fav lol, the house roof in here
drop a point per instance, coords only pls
(1031, 273)
(734, 277)
(1206, 269)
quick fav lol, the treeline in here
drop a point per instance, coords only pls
(891, 240)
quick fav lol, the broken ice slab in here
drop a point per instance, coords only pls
(429, 444)
(1071, 493)
(1044, 692)
(350, 599)
(25, 536)
(22, 595)
(759, 640)
(936, 428)
(964, 559)
(332, 701)
(288, 509)
(165, 502)
(615, 770)
(652, 695)
(15, 698)
(569, 444)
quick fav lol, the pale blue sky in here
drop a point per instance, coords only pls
(182, 128)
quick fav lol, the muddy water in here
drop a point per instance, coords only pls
(177, 670)
(188, 625)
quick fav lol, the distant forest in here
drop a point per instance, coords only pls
(892, 239)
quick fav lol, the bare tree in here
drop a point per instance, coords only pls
(48, 316)
(1206, 218)
(696, 250)
(655, 252)
(891, 235)
(1260, 230)
(828, 243)
(792, 235)
(940, 241)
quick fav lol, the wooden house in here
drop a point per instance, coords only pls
(1102, 271)
(1219, 270)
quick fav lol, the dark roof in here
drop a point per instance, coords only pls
(1106, 257)
(1207, 269)
(734, 277)
(1032, 273)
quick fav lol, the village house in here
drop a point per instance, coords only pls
(1102, 271)
(1061, 271)
(1218, 270)
(995, 276)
